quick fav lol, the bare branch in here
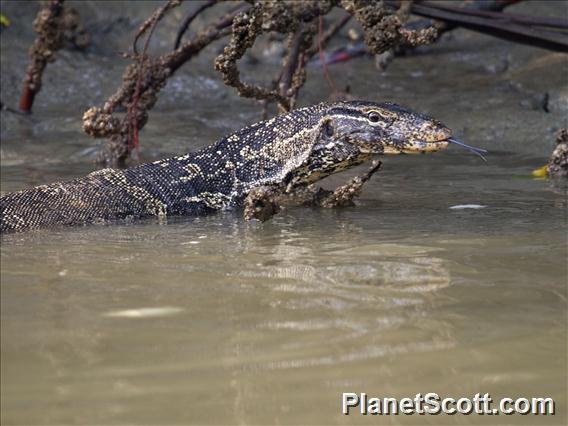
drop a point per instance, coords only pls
(54, 24)
(152, 21)
(189, 20)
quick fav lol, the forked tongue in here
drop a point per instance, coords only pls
(476, 151)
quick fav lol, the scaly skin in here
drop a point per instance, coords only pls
(290, 150)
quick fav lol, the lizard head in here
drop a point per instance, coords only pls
(349, 133)
(383, 128)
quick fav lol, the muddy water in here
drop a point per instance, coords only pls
(215, 320)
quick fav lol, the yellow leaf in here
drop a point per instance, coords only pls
(5, 22)
(541, 172)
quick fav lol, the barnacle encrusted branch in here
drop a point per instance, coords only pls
(246, 28)
(139, 90)
(54, 24)
(383, 28)
(295, 18)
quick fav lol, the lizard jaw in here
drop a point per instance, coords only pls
(417, 147)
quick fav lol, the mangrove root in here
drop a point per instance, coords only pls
(54, 25)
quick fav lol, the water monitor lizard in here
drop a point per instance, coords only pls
(287, 151)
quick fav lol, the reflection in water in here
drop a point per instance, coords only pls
(144, 322)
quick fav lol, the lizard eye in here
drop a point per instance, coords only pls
(373, 117)
(382, 118)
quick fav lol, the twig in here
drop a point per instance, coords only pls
(291, 62)
(189, 20)
(293, 75)
(327, 36)
(152, 20)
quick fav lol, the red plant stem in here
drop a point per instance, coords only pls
(133, 128)
(27, 99)
(322, 57)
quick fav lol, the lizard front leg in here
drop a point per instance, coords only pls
(344, 195)
(262, 203)
(265, 201)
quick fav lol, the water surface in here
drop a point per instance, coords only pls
(219, 321)
(216, 320)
